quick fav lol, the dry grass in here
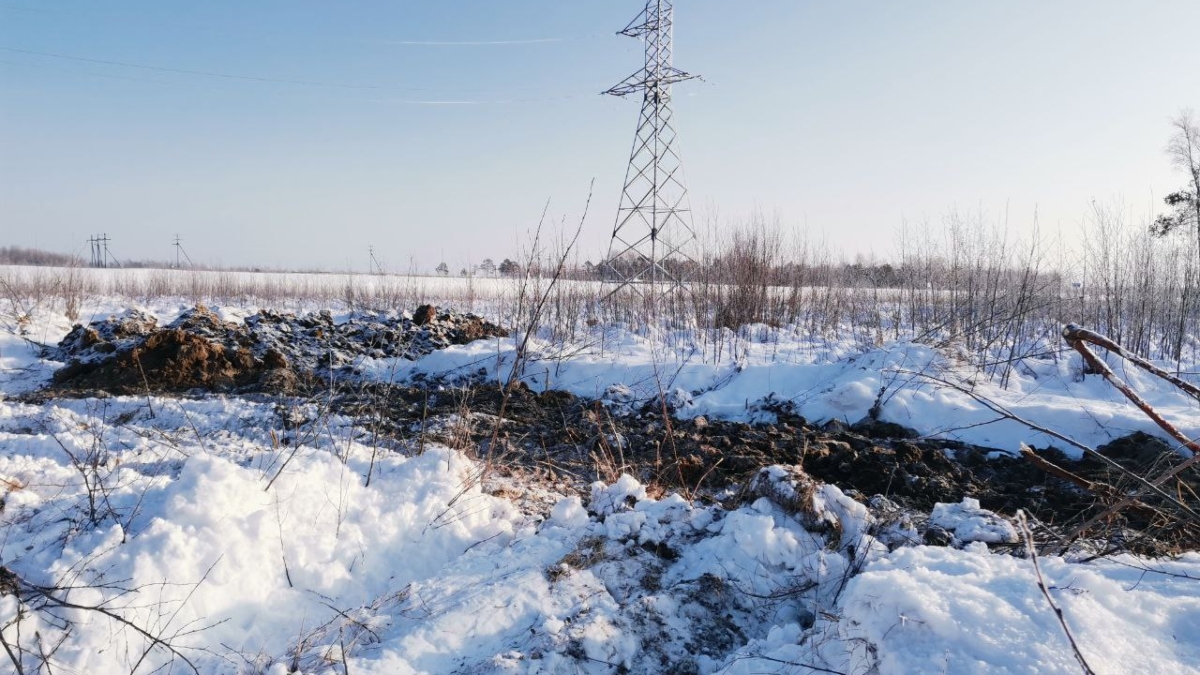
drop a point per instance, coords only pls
(966, 283)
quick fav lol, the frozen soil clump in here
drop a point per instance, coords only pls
(272, 351)
(568, 442)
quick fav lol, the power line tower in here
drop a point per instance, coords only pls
(652, 242)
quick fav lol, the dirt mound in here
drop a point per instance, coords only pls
(1140, 452)
(583, 438)
(269, 350)
(424, 314)
(562, 438)
(170, 359)
(130, 354)
(315, 341)
(103, 337)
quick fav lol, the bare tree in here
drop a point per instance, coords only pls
(1184, 151)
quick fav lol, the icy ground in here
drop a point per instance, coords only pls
(240, 535)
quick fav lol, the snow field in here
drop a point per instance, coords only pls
(245, 533)
(187, 516)
(821, 381)
(423, 572)
(842, 385)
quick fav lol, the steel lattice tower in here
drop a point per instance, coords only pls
(653, 236)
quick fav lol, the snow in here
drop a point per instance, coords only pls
(941, 610)
(568, 512)
(970, 523)
(245, 531)
(821, 381)
(907, 380)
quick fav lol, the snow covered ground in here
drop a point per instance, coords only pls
(823, 383)
(231, 534)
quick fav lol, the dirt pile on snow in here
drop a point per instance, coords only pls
(559, 437)
(584, 438)
(129, 354)
(316, 341)
(269, 350)
(99, 338)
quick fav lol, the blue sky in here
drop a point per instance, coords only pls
(842, 119)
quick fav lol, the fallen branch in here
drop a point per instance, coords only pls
(1059, 472)
(1075, 337)
(1073, 332)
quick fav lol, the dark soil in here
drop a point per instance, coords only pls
(167, 360)
(565, 438)
(269, 351)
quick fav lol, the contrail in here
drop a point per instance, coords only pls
(469, 43)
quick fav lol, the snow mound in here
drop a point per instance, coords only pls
(971, 523)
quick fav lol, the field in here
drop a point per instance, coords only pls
(359, 339)
(557, 485)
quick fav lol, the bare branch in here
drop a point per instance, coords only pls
(1037, 569)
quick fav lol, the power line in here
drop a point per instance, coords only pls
(406, 43)
(274, 80)
(213, 73)
(89, 73)
(32, 10)
(250, 78)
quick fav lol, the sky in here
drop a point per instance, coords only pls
(302, 134)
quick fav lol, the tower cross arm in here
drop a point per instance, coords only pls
(634, 83)
(641, 81)
(644, 23)
(673, 75)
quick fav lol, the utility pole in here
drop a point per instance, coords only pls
(100, 252)
(374, 261)
(653, 239)
(179, 251)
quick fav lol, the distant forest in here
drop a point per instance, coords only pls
(16, 255)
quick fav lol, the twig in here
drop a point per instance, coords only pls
(535, 315)
(345, 656)
(287, 573)
(1037, 569)
(8, 649)
(816, 669)
(47, 594)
